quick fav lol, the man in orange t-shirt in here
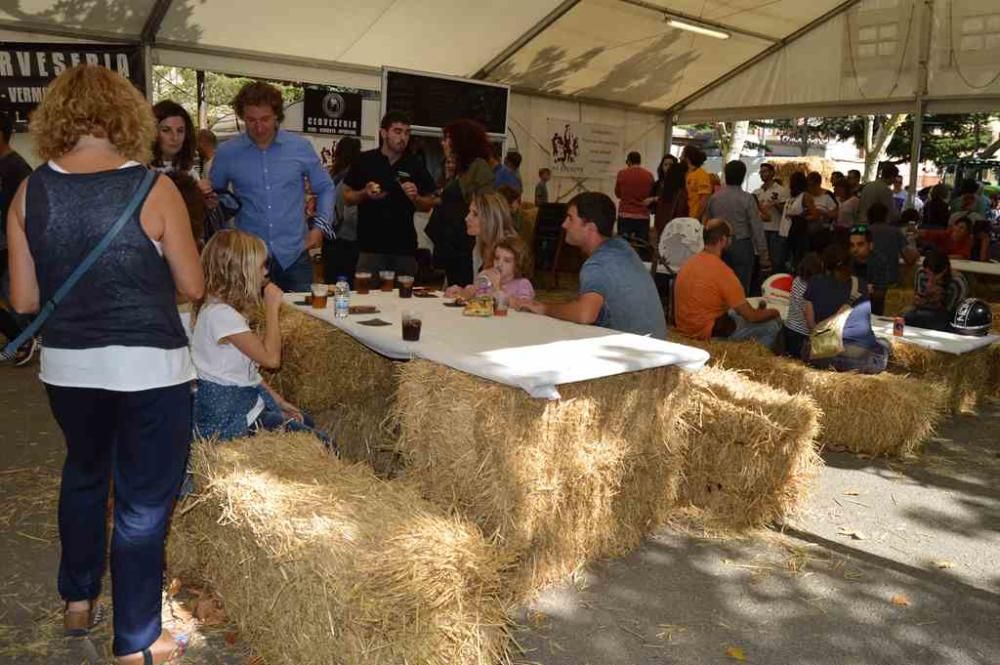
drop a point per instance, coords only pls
(709, 300)
(698, 182)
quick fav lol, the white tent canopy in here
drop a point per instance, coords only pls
(782, 58)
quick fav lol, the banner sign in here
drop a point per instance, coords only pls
(327, 111)
(27, 68)
(585, 150)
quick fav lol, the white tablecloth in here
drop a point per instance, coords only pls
(933, 339)
(978, 267)
(527, 351)
(929, 339)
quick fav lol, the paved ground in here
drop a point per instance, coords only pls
(890, 563)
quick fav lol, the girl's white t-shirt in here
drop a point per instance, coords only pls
(218, 361)
(221, 362)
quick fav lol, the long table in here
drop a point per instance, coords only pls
(934, 340)
(527, 351)
(977, 267)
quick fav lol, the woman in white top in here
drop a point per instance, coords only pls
(232, 399)
(114, 359)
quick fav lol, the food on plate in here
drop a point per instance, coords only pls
(479, 306)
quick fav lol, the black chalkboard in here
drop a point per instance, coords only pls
(433, 102)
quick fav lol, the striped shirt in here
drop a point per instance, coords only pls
(796, 320)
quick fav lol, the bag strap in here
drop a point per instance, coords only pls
(138, 197)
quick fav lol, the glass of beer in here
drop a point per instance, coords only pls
(388, 278)
(362, 282)
(320, 292)
(411, 326)
(405, 286)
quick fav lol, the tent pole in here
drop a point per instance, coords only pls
(917, 139)
(147, 64)
(923, 72)
(202, 102)
(668, 132)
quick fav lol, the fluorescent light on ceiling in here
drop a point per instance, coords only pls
(692, 27)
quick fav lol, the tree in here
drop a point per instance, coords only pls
(732, 138)
(944, 137)
(180, 85)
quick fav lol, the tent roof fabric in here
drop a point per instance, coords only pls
(783, 58)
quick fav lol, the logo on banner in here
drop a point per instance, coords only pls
(334, 105)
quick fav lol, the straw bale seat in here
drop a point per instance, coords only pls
(318, 561)
(884, 414)
(751, 455)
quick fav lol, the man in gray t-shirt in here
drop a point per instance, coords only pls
(616, 290)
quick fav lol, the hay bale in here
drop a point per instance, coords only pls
(786, 166)
(320, 562)
(345, 385)
(897, 301)
(885, 414)
(751, 457)
(995, 370)
(555, 483)
(966, 377)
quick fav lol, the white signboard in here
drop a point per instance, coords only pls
(585, 150)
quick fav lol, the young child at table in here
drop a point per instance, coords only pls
(232, 399)
(796, 329)
(511, 262)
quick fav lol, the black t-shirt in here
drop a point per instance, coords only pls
(13, 169)
(386, 226)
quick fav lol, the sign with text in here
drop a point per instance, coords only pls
(26, 69)
(584, 150)
(326, 111)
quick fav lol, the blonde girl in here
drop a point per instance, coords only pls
(232, 399)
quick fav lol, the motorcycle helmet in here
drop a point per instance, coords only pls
(973, 317)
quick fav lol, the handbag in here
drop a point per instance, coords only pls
(138, 197)
(826, 340)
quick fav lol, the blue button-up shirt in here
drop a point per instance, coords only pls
(270, 185)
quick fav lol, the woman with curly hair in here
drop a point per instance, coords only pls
(115, 361)
(464, 143)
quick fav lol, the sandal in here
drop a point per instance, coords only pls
(175, 656)
(78, 623)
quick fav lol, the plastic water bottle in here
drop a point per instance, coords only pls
(484, 286)
(341, 298)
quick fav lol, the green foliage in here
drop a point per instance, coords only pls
(180, 85)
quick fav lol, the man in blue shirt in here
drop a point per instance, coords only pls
(267, 169)
(507, 174)
(616, 290)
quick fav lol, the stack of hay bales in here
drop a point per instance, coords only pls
(751, 456)
(885, 414)
(320, 562)
(554, 483)
(966, 376)
(786, 166)
(345, 385)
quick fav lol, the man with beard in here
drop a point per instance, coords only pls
(389, 184)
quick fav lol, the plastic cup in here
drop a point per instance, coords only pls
(388, 278)
(500, 304)
(405, 286)
(320, 292)
(362, 282)
(411, 327)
